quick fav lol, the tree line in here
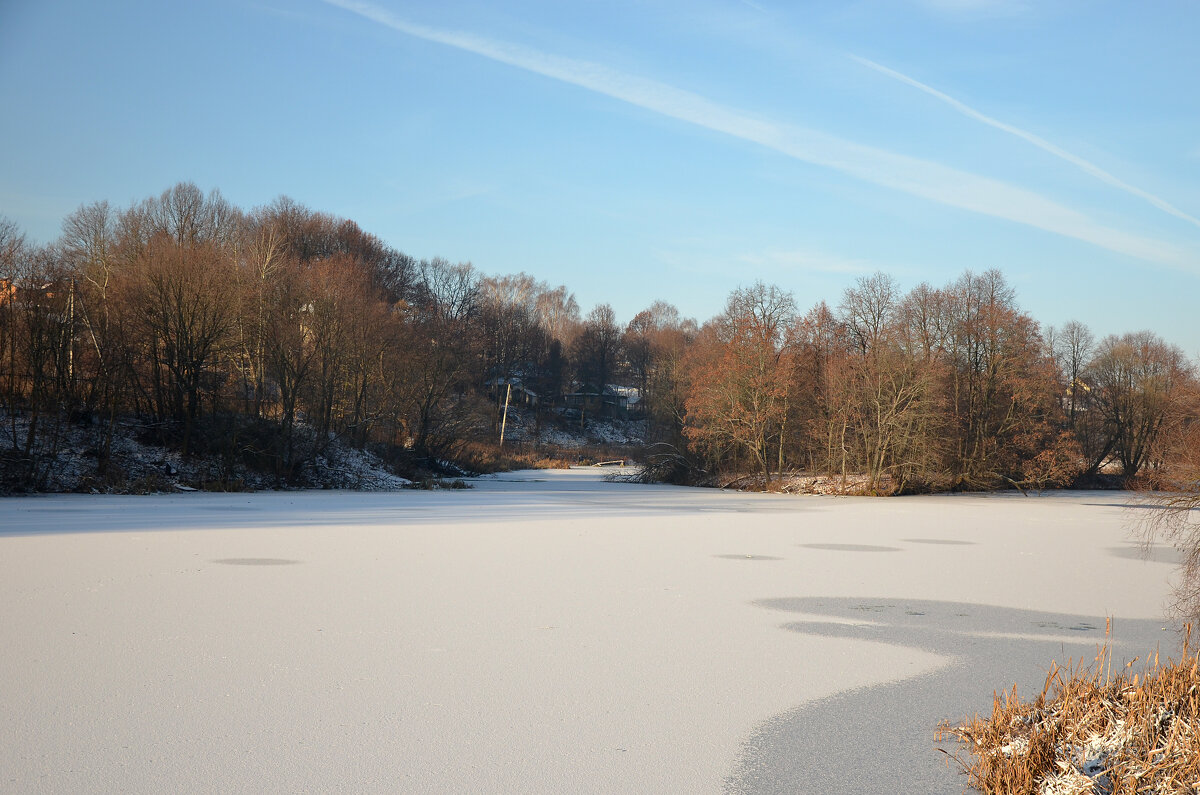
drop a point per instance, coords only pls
(262, 336)
(939, 388)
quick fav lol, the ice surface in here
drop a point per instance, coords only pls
(544, 631)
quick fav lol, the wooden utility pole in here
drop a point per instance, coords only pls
(504, 419)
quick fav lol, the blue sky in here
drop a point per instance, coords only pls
(637, 150)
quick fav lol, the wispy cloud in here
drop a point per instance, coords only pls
(1039, 142)
(910, 175)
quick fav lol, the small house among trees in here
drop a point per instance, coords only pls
(607, 402)
(521, 395)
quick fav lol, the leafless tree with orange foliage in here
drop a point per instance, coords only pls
(596, 350)
(818, 345)
(654, 344)
(12, 254)
(884, 386)
(89, 247)
(437, 330)
(738, 397)
(1002, 391)
(180, 312)
(1134, 378)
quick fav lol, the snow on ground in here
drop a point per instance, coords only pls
(147, 467)
(565, 428)
(543, 632)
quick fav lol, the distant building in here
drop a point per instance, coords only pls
(521, 395)
(609, 401)
(632, 395)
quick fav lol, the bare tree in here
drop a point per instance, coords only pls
(639, 350)
(188, 217)
(882, 391)
(1072, 349)
(179, 304)
(38, 329)
(994, 348)
(868, 310)
(12, 256)
(739, 393)
(448, 293)
(654, 342)
(513, 342)
(1168, 501)
(558, 312)
(597, 349)
(90, 249)
(438, 329)
(928, 318)
(1134, 377)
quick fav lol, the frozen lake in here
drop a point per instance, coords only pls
(545, 631)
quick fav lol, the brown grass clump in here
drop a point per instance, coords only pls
(1091, 731)
(487, 457)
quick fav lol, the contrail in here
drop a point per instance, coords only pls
(1038, 141)
(910, 175)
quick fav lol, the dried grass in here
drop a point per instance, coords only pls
(1091, 731)
(488, 457)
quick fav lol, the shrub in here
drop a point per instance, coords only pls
(1090, 731)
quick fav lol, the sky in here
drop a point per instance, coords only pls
(637, 150)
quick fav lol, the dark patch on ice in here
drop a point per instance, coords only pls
(1142, 506)
(947, 541)
(1079, 627)
(747, 557)
(256, 561)
(1157, 553)
(851, 547)
(818, 747)
(225, 508)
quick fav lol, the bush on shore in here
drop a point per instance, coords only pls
(1091, 731)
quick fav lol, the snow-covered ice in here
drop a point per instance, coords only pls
(545, 631)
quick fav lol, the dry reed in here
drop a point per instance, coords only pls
(487, 457)
(1092, 731)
